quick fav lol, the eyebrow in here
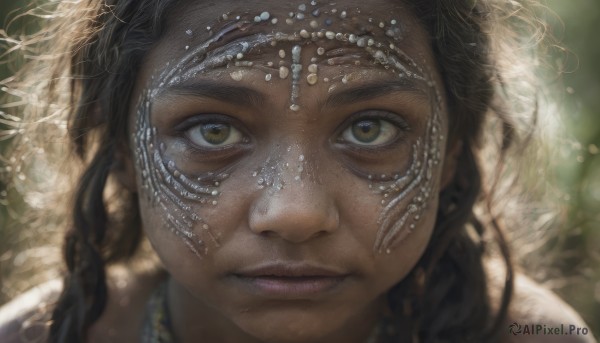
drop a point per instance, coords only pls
(374, 90)
(237, 95)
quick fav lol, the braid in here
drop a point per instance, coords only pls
(85, 292)
(121, 37)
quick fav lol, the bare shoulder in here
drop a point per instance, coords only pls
(123, 316)
(539, 315)
(26, 318)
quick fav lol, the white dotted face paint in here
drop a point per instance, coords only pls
(239, 43)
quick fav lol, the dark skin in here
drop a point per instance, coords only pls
(328, 219)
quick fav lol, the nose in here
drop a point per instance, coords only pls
(300, 211)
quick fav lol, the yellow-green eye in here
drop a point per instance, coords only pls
(370, 132)
(214, 135)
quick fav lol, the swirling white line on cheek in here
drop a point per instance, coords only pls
(177, 196)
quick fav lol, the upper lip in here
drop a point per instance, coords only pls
(289, 270)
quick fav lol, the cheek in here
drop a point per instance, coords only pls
(171, 200)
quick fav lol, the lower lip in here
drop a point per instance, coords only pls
(291, 287)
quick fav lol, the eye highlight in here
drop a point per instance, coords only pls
(214, 135)
(370, 132)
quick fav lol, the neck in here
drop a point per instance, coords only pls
(192, 318)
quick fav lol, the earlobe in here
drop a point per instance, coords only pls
(450, 163)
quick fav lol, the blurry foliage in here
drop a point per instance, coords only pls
(578, 159)
(574, 253)
(8, 238)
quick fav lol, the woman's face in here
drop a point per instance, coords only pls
(288, 159)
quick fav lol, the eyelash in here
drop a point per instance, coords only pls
(182, 130)
(382, 115)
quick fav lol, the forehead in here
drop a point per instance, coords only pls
(193, 22)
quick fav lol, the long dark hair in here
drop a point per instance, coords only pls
(445, 296)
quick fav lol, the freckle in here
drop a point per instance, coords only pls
(283, 72)
(312, 79)
(289, 21)
(268, 77)
(314, 24)
(304, 34)
(320, 51)
(312, 68)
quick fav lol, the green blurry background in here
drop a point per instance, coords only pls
(574, 253)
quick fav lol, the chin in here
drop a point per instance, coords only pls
(289, 326)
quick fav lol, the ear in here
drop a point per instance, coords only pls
(123, 169)
(450, 162)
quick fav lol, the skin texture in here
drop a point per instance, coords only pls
(296, 189)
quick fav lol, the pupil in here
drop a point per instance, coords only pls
(366, 131)
(215, 133)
